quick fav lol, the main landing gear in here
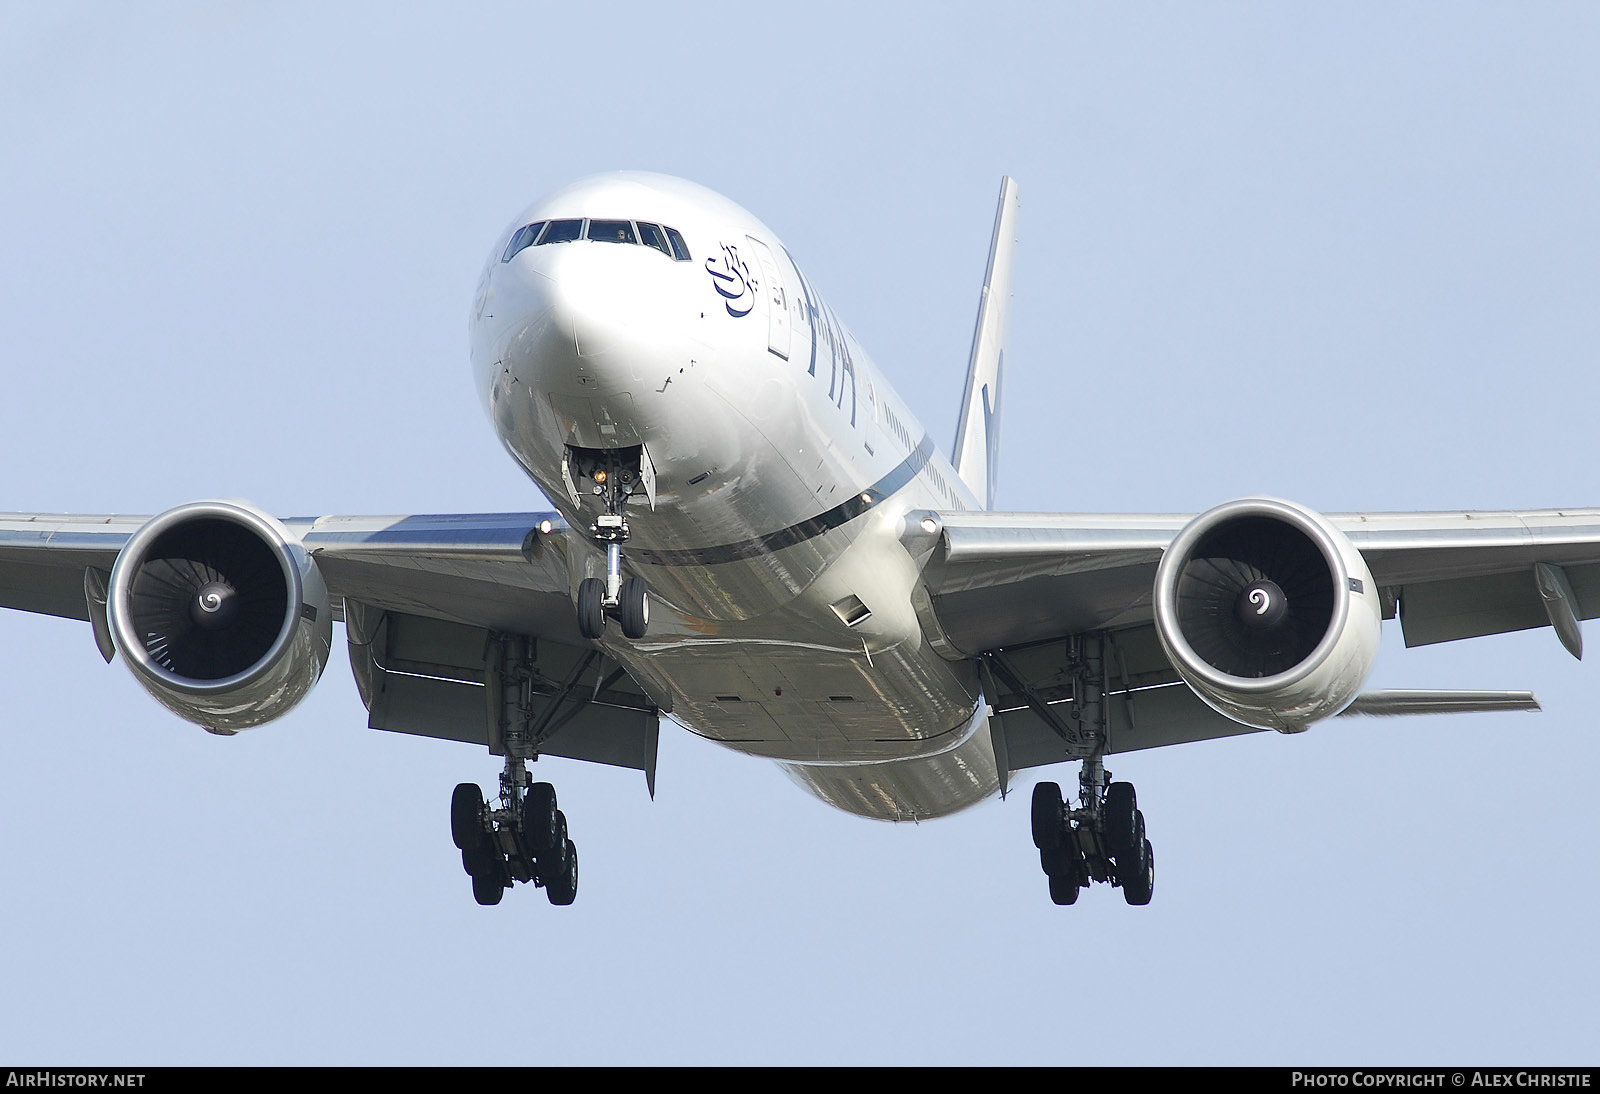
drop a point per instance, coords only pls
(1103, 840)
(523, 840)
(613, 476)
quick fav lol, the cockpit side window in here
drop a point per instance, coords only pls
(523, 237)
(652, 236)
(562, 231)
(612, 231)
(680, 249)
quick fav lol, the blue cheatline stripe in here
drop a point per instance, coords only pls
(840, 514)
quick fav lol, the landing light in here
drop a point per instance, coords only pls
(929, 525)
(599, 476)
(866, 499)
(546, 526)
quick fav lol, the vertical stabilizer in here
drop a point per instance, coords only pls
(978, 432)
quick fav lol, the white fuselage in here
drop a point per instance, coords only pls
(782, 619)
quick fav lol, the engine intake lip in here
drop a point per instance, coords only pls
(1178, 554)
(131, 560)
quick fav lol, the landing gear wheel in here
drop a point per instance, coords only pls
(539, 817)
(634, 608)
(481, 862)
(563, 889)
(591, 607)
(1058, 861)
(1047, 810)
(466, 816)
(1140, 882)
(1064, 887)
(1119, 812)
(488, 890)
(552, 860)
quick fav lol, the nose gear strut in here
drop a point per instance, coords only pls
(614, 476)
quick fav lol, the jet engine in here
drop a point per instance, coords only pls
(221, 614)
(1268, 613)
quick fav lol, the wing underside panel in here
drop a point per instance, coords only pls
(436, 678)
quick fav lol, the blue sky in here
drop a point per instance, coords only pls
(1344, 255)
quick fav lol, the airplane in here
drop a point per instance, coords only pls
(753, 538)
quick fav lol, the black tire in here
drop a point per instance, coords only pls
(1064, 888)
(539, 817)
(1130, 864)
(1047, 812)
(563, 889)
(1059, 860)
(1141, 885)
(553, 860)
(1118, 813)
(481, 862)
(591, 607)
(466, 816)
(634, 608)
(488, 890)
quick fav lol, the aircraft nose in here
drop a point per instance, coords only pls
(625, 315)
(596, 328)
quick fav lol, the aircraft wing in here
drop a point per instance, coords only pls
(423, 599)
(1009, 586)
(1008, 579)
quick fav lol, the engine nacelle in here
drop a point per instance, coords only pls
(220, 614)
(1268, 612)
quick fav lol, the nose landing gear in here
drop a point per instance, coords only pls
(613, 476)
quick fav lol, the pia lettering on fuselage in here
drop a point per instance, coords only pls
(731, 277)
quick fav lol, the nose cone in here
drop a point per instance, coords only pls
(587, 330)
(619, 302)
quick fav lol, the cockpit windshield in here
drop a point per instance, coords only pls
(523, 237)
(658, 237)
(562, 231)
(612, 231)
(651, 236)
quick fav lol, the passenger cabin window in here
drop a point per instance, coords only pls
(612, 231)
(523, 237)
(562, 231)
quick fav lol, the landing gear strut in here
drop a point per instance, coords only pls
(524, 837)
(614, 476)
(1103, 838)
